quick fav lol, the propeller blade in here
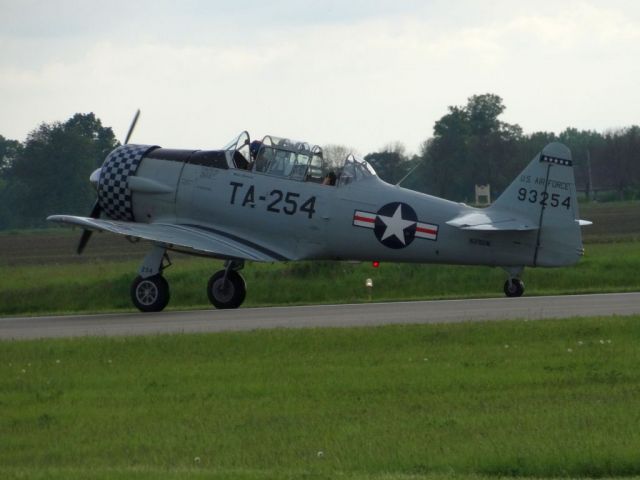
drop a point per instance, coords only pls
(86, 234)
(133, 125)
(84, 239)
(96, 210)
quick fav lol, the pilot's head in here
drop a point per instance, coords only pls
(254, 148)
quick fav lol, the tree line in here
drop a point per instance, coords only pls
(48, 172)
(470, 145)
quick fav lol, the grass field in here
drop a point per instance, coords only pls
(475, 401)
(102, 286)
(496, 399)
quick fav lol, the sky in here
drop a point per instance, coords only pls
(349, 72)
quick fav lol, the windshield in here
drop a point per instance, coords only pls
(239, 149)
(354, 170)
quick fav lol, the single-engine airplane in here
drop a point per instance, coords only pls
(277, 200)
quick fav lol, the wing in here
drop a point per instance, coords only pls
(492, 221)
(210, 241)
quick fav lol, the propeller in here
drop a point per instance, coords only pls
(86, 234)
(94, 179)
(133, 125)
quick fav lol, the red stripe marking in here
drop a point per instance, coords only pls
(364, 219)
(426, 230)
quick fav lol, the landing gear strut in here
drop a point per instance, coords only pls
(150, 290)
(227, 288)
(514, 287)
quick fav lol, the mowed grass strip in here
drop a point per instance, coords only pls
(104, 286)
(535, 399)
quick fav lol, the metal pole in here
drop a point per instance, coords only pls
(590, 184)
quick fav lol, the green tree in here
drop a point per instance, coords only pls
(620, 159)
(445, 155)
(391, 163)
(9, 150)
(50, 174)
(631, 148)
(583, 145)
(471, 146)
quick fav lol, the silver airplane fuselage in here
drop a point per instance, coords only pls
(284, 202)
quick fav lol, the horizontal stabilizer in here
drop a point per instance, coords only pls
(202, 239)
(491, 221)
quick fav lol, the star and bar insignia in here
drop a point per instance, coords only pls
(395, 225)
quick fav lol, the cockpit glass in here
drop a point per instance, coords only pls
(287, 158)
(237, 141)
(354, 170)
(300, 161)
(239, 151)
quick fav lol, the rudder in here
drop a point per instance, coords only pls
(545, 194)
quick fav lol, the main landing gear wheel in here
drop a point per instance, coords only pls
(150, 294)
(514, 287)
(227, 293)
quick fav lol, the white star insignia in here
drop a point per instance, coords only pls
(395, 225)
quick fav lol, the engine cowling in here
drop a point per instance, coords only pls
(114, 194)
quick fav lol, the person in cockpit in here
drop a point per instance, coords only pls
(329, 179)
(254, 148)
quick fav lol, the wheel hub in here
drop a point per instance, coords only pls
(147, 292)
(223, 290)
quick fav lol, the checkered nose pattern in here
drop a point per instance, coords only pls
(113, 189)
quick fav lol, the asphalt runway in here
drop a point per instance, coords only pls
(352, 315)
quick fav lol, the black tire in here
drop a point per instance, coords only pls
(150, 294)
(514, 287)
(229, 294)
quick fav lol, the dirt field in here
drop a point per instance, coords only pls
(611, 220)
(59, 246)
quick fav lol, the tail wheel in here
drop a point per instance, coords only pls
(150, 294)
(514, 287)
(227, 293)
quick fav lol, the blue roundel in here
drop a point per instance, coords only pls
(395, 225)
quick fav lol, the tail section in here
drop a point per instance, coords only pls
(545, 194)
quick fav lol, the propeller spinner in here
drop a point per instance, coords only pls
(95, 179)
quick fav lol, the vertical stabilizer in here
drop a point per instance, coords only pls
(545, 194)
